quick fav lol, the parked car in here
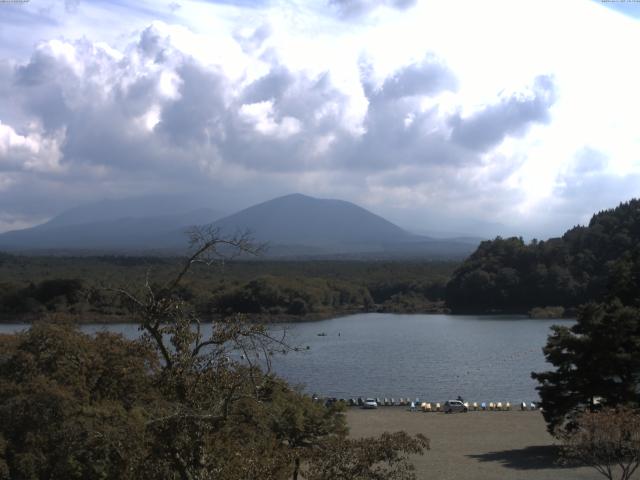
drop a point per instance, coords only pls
(370, 403)
(451, 406)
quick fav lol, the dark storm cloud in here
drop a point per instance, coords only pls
(357, 8)
(397, 131)
(198, 116)
(104, 139)
(104, 129)
(283, 121)
(512, 116)
(310, 104)
(427, 77)
(272, 85)
(42, 82)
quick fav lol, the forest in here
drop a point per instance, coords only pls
(597, 262)
(81, 288)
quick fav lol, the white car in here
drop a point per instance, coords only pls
(451, 406)
(370, 403)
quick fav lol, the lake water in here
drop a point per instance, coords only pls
(434, 357)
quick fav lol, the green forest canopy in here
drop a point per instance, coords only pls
(77, 285)
(592, 263)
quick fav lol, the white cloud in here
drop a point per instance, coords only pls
(30, 152)
(261, 116)
(422, 110)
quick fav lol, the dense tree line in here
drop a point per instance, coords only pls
(592, 263)
(48, 295)
(294, 296)
(78, 286)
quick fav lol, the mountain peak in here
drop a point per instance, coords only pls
(303, 220)
(294, 197)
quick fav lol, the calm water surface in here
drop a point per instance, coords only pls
(434, 357)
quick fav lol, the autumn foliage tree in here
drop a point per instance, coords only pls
(608, 441)
(74, 406)
(382, 458)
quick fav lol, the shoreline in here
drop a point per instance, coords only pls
(106, 319)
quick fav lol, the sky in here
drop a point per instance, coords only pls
(477, 117)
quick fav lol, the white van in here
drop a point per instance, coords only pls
(451, 406)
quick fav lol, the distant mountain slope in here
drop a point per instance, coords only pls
(155, 222)
(294, 226)
(131, 207)
(301, 220)
(592, 263)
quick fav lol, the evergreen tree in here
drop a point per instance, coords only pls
(597, 358)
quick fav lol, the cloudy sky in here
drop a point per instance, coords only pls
(481, 117)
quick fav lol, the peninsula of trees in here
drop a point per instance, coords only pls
(588, 263)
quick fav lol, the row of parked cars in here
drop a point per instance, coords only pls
(450, 406)
(386, 402)
(369, 402)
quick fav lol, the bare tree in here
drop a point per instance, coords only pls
(201, 373)
(225, 416)
(608, 441)
(173, 325)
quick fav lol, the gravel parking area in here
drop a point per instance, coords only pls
(474, 445)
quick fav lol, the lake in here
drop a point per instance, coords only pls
(434, 357)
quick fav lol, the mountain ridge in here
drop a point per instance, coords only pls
(293, 225)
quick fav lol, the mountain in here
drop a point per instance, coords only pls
(293, 226)
(142, 223)
(149, 206)
(299, 225)
(301, 220)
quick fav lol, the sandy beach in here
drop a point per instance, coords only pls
(474, 445)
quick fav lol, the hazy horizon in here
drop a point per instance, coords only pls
(475, 118)
(159, 206)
